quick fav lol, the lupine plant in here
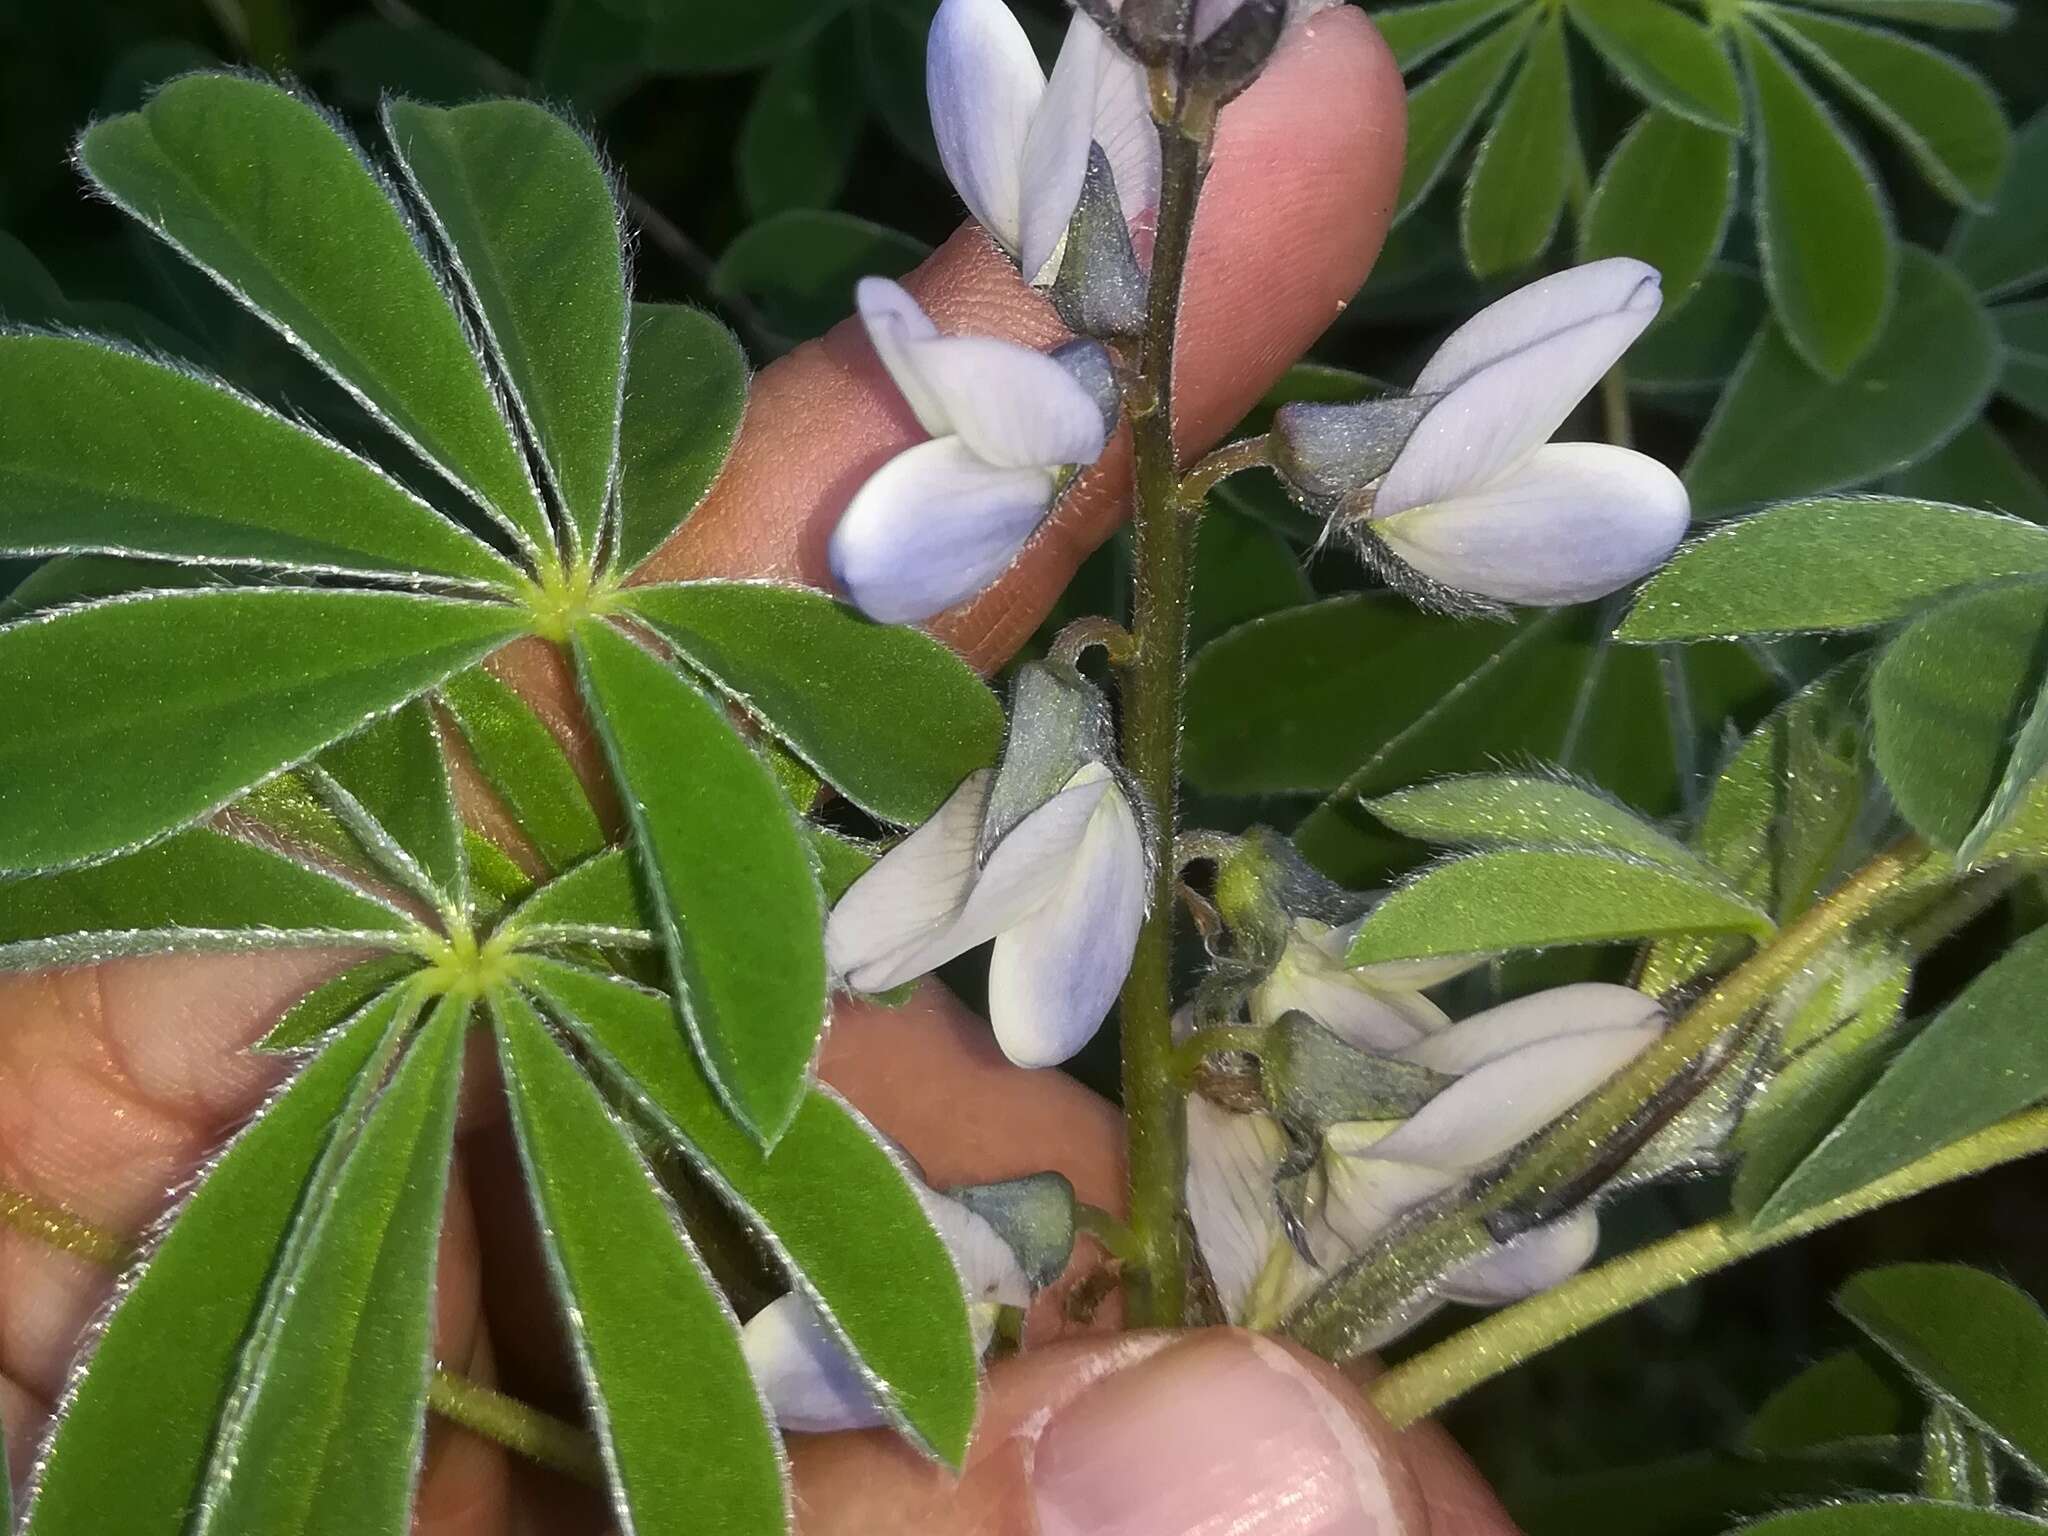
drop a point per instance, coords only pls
(270, 687)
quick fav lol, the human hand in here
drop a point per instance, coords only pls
(118, 1080)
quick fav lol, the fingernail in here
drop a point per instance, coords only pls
(1227, 1435)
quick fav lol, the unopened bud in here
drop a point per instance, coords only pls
(1059, 723)
(1089, 362)
(1330, 452)
(1233, 40)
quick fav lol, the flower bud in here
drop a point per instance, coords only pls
(1059, 724)
(1034, 1215)
(1328, 453)
(1100, 289)
(1233, 40)
(1314, 1080)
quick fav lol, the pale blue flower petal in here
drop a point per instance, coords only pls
(1571, 522)
(1055, 157)
(1233, 1160)
(883, 930)
(1016, 407)
(1533, 1262)
(810, 1382)
(984, 86)
(932, 527)
(1540, 311)
(1579, 1008)
(894, 324)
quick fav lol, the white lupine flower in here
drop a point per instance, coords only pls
(1480, 500)
(1373, 1007)
(1518, 1066)
(942, 520)
(810, 1380)
(1015, 145)
(1062, 893)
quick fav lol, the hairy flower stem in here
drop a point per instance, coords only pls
(1231, 459)
(1550, 1174)
(1156, 1289)
(1420, 1386)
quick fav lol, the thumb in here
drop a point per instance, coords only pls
(1138, 1435)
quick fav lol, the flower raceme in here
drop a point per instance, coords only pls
(1016, 145)
(1458, 482)
(1045, 855)
(1009, 425)
(1512, 1068)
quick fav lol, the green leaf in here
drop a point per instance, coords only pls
(1970, 1340)
(335, 1001)
(1977, 468)
(323, 1430)
(1517, 187)
(841, 861)
(1983, 1057)
(797, 141)
(1671, 60)
(524, 764)
(732, 889)
(1952, 701)
(102, 449)
(366, 57)
(271, 200)
(1243, 570)
(1697, 349)
(134, 717)
(154, 1387)
(1666, 197)
(1513, 810)
(1839, 1397)
(1528, 898)
(1956, 1464)
(1988, 15)
(1895, 1517)
(198, 890)
(686, 387)
(1942, 113)
(1781, 430)
(524, 207)
(496, 880)
(800, 266)
(834, 1207)
(1444, 108)
(68, 579)
(1835, 563)
(710, 37)
(1830, 258)
(2023, 328)
(596, 902)
(1692, 1495)
(1858, 1011)
(2005, 249)
(389, 784)
(884, 713)
(1418, 33)
(682, 1428)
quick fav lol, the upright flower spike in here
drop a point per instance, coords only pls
(1473, 497)
(1045, 856)
(1009, 425)
(1516, 1067)
(1015, 145)
(810, 1381)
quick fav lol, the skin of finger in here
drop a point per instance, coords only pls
(1306, 168)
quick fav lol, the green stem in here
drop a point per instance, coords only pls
(1552, 1173)
(1189, 1055)
(1420, 1386)
(1113, 1235)
(1231, 459)
(1156, 1288)
(539, 1437)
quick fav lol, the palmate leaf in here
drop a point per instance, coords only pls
(1665, 197)
(1782, 430)
(1418, 33)
(682, 1428)
(596, 902)
(1830, 255)
(798, 267)
(1964, 14)
(1943, 114)
(1980, 1059)
(1833, 563)
(1510, 810)
(521, 202)
(1529, 898)
(322, 1431)
(134, 717)
(686, 388)
(198, 890)
(1970, 1340)
(1895, 1517)
(1516, 191)
(389, 784)
(102, 449)
(831, 1203)
(2005, 249)
(1444, 108)
(1978, 467)
(66, 579)
(335, 1001)
(2023, 329)
(277, 205)
(802, 127)
(523, 762)
(734, 894)
(885, 714)
(1667, 56)
(1840, 1397)
(159, 1374)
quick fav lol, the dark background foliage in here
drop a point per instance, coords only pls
(775, 151)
